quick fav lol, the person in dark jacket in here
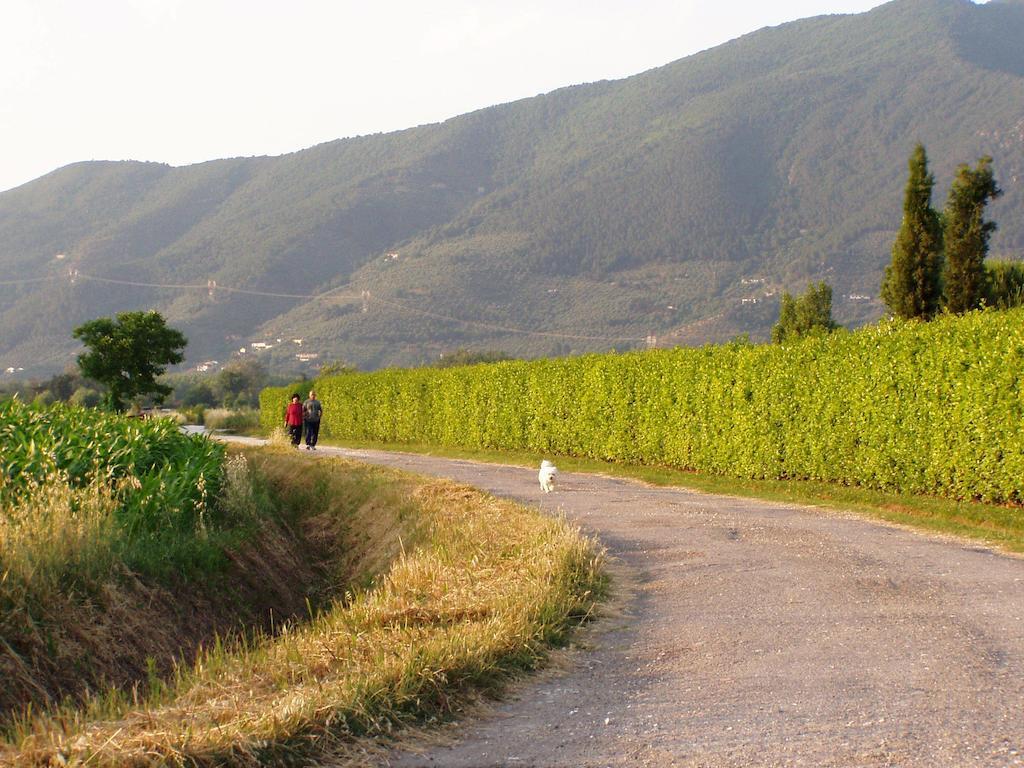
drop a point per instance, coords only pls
(312, 410)
(293, 419)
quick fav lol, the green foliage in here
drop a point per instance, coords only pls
(241, 422)
(1004, 284)
(810, 313)
(928, 408)
(85, 397)
(239, 383)
(128, 353)
(463, 356)
(60, 387)
(337, 366)
(165, 481)
(912, 285)
(191, 394)
(966, 235)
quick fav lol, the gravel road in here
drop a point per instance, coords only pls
(759, 634)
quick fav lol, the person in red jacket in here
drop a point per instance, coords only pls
(293, 419)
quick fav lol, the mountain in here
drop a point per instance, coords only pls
(590, 217)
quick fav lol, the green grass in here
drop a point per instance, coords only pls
(1000, 526)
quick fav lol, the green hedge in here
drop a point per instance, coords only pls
(925, 408)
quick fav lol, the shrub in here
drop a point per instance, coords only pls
(1004, 284)
(903, 406)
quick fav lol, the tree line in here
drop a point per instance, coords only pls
(938, 259)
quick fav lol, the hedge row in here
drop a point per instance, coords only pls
(926, 408)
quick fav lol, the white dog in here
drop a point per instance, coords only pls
(548, 473)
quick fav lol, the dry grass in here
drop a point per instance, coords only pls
(488, 589)
(54, 532)
(76, 620)
(56, 540)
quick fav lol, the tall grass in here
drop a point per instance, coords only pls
(477, 593)
(56, 536)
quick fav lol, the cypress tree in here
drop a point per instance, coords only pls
(810, 313)
(912, 284)
(966, 235)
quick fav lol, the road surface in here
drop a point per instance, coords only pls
(759, 634)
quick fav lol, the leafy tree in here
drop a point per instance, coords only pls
(912, 286)
(85, 397)
(63, 385)
(239, 383)
(127, 354)
(966, 235)
(470, 357)
(807, 314)
(199, 393)
(1004, 284)
(336, 368)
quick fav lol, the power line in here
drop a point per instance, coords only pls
(211, 286)
(505, 328)
(28, 280)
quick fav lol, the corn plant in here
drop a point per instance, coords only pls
(164, 482)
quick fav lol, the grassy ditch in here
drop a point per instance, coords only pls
(996, 525)
(440, 593)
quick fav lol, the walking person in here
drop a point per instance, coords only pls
(293, 419)
(312, 410)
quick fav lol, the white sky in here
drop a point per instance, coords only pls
(181, 81)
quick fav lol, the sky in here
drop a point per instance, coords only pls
(183, 81)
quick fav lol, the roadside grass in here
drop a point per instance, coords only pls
(1000, 526)
(244, 421)
(77, 613)
(469, 591)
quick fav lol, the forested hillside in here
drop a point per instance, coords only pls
(679, 202)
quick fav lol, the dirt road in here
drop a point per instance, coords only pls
(761, 634)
